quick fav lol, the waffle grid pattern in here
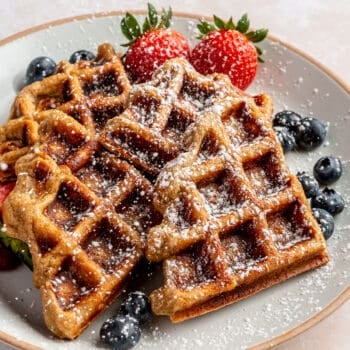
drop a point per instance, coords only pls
(91, 92)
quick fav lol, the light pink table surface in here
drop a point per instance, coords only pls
(318, 27)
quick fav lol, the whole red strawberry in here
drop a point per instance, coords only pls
(229, 49)
(151, 47)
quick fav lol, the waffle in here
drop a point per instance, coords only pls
(235, 220)
(83, 211)
(89, 91)
(86, 232)
(149, 133)
(225, 217)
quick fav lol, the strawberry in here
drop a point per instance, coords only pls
(150, 47)
(8, 260)
(228, 48)
(5, 190)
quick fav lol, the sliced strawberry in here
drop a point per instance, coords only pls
(228, 48)
(5, 190)
(8, 260)
(152, 45)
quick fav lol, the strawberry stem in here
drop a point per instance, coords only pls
(132, 30)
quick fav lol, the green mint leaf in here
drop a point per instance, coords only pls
(243, 24)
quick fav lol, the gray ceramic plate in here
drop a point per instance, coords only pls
(295, 82)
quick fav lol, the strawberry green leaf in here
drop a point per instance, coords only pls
(152, 15)
(125, 29)
(130, 27)
(128, 44)
(219, 22)
(257, 35)
(230, 24)
(165, 18)
(205, 28)
(243, 24)
(258, 50)
(262, 34)
(146, 25)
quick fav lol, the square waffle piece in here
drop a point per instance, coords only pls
(235, 220)
(149, 133)
(86, 233)
(84, 214)
(89, 91)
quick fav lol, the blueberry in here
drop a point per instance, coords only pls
(310, 133)
(39, 68)
(329, 200)
(81, 55)
(288, 119)
(325, 220)
(285, 138)
(309, 183)
(137, 305)
(328, 170)
(121, 331)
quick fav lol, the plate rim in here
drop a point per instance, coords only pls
(302, 327)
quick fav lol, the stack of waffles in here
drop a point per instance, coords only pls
(184, 169)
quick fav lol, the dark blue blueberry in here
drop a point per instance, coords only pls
(310, 133)
(138, 306)
(325, 220)
(285, 138)
(309, 183)
(122, 332)
(288, 119)
(39, 68)
(329, 200)
(81, 55)
(328, 170)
